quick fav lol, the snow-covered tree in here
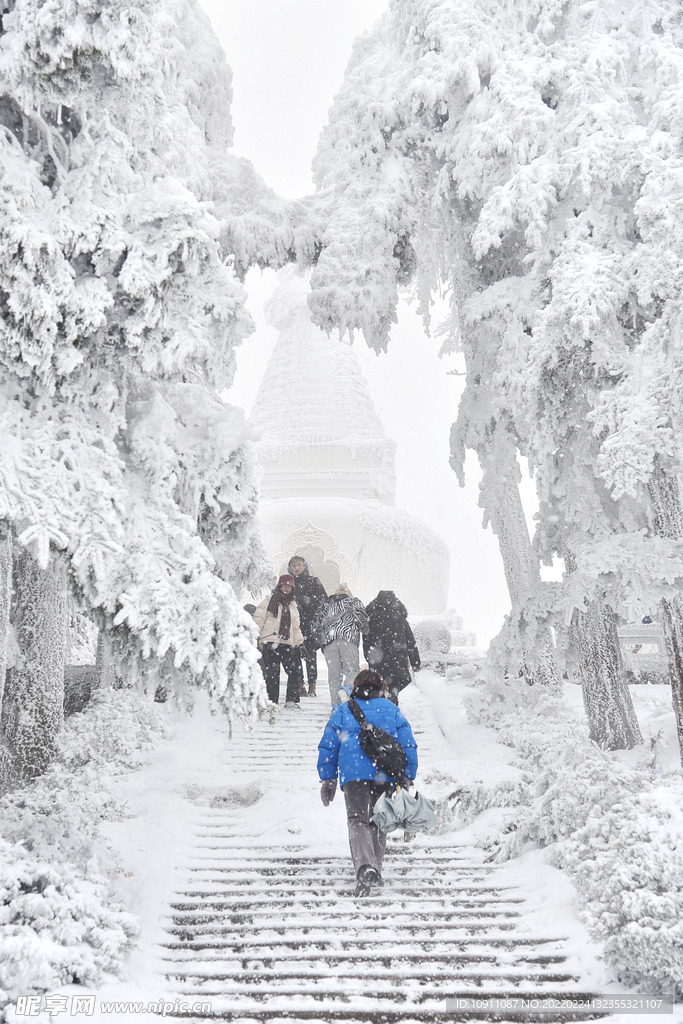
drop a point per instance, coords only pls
(526, 156)
(5, 597)
(121, 211)
(524, 646)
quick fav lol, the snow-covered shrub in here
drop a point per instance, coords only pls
(59, 922)
(433, 638)
(627, 865)
(616, 830)
(465, 666)
(459, 804)
(56, 925)
(89, 738)
(523, 715)
(57, 816)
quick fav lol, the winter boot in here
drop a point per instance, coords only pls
(311, 690)
(367, 877)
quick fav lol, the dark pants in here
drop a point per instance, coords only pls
(274, 655)
(367, 842)
(310, 652)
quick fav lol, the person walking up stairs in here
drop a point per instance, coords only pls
(309, 594)
(362, 782)
(337, 627)
(280, 641)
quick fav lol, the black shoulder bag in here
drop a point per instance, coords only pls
(383, 750)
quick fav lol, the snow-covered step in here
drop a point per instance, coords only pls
(343, 887)
(314, 874)
(295, 933)
(422, 869)
(428, 884)
(392, 861)
(329, 898)
(291, 901)
(369, 990)
(409, 970)
(300, 916)
(387, 956)
(312, 945)
(254, 952)
(313, 1010)
(396, 867)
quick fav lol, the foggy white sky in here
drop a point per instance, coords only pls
(288, 61)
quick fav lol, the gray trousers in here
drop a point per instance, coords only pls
(342, 666)
(367, 842)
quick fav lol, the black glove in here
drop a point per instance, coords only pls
(404, 782)
(327, 791)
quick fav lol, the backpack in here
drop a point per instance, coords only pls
(385, 752)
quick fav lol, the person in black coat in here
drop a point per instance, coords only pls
(388, 642)
(310, 594)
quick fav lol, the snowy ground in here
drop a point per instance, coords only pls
(164, 802)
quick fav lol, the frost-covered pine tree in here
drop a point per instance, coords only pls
(5, 597)
(119, 208)
(526, 157)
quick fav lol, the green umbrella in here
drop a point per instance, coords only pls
(401, 810)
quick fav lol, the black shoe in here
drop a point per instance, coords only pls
(367, 877)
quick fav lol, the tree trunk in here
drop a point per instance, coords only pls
(5, 598)
(667, 516)
(105, 668)
(33, 709)
(672, 621)
(535, 658)
(611, 716)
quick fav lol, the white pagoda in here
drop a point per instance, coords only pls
(328, 469)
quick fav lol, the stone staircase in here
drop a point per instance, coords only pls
(270, 931)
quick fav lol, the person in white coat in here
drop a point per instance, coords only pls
(281, 641)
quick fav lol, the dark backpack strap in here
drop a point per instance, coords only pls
(357, 713)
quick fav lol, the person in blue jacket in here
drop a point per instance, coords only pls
(340, 753)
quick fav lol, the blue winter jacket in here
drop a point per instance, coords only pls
(340, 748)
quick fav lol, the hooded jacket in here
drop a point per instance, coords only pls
(340, 751)
(388, 642)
